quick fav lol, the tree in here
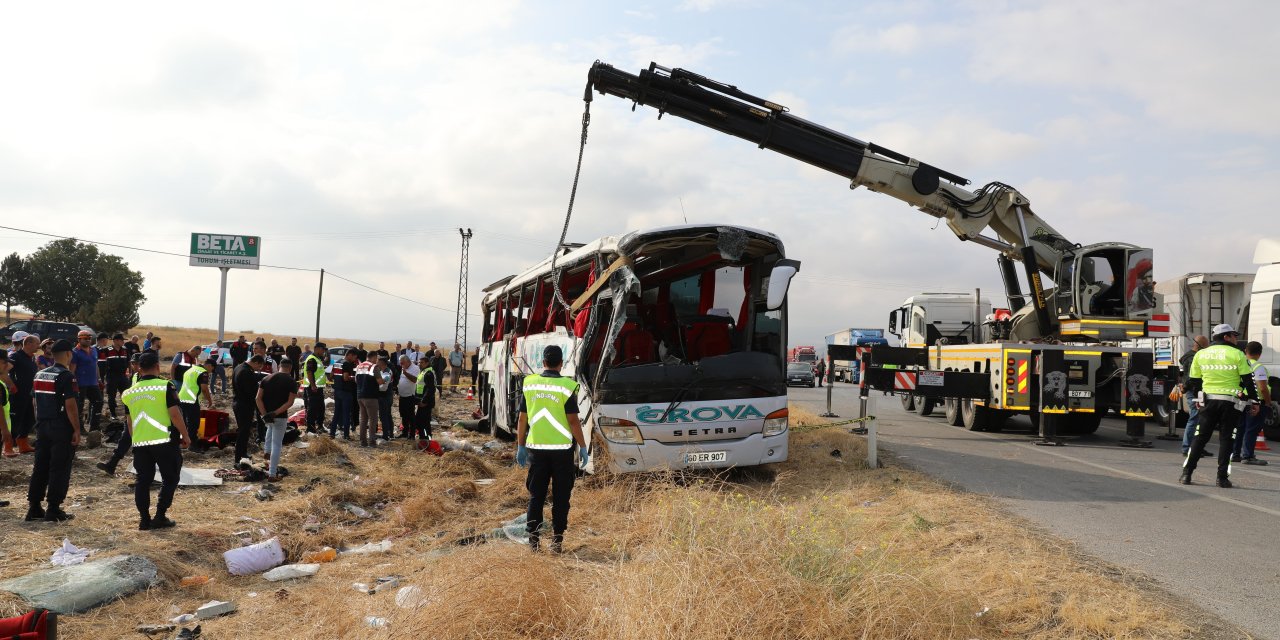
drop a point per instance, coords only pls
(70, 280)
(13, 282)
(119, 296)
(61, 278)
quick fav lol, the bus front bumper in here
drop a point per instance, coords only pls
(653, 455)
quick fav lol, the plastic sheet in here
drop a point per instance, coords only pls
(254, 558)
(84, 586)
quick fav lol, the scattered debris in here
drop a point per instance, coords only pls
(282, 594)
(194, 477)
(194, 581)
(327, 554)
(310, 485)
(835, 453)
(188, 634)
(254, 558)
(69, 554)
(484, 482)
(411, 597)
(370, 547)
(355, 510)
(454, 444)
(312, 525)
(184, 618)
(83, 586)
(214, 608)
(153, 629)
(984, 612)
(264, 494)
(291, 571)
(301, 445)
(375, 622)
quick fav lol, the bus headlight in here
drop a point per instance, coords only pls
(775, 423)
(619, 430)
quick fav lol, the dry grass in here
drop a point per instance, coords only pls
(818, 547)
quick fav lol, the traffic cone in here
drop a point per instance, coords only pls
(1261, 444)
(471, 393)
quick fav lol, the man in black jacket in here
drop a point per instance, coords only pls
(244, 402)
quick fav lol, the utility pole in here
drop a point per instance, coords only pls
(319, 300)
(460, 322)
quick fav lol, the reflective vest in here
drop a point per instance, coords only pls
(321, 380)
(148, 411)
(1255, 365)
(190, 391)
(421, 384)
(544, 402)
(1220, 366)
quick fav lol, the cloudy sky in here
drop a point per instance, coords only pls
(359, 136)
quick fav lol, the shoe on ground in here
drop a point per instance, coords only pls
(162, 522)
(1206, 454)
(1185, 478)
(107, 468)
(1224, 483)
(1235, 457)
(1255, 461)
(34, 512)
(144, 525)
(54, 514)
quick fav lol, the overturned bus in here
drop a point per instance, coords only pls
(676, 336)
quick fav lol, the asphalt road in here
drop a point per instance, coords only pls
(1219, 548)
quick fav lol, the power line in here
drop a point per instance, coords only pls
(269, 266)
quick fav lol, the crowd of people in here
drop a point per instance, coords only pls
(54, 392)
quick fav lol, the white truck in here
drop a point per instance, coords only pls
(847, 370)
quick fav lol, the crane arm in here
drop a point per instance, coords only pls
(1019, 233)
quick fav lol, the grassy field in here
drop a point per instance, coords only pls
(817, 547)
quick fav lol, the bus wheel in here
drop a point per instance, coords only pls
(951, 407)
(924, 406)
(973, 416)
(908, 402)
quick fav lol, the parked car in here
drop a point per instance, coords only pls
(224, 356)
(336, 355)
(44, 329)
(801, 373)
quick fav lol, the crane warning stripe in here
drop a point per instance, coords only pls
(1158, 325)
(1022, 376)
(904, 380)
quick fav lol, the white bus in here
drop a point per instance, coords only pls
(676, 336)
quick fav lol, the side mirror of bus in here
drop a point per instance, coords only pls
(780, 281)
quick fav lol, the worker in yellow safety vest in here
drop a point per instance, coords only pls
(1223, 373)
(156, 428)
(195, 385)
(314, 381)
(547, 437)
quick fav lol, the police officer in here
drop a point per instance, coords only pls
(1223, 373)
(57, 432)
(425, 388)
(314, 381)
(116, 375)
(548, 433)
(195, 385)
(156, 428)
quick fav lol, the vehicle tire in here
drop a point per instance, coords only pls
(975, 417)
(813, 384)
(908, 402)
(951, 408)
(924, 406)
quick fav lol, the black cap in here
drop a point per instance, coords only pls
(552, 354)
(148, 359)
(62, 345)
(320, 345)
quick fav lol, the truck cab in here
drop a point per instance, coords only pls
(929, 319)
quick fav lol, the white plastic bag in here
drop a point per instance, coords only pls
(291, 571)
(254, 558)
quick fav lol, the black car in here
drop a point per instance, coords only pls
(44, 329)
(801, 373)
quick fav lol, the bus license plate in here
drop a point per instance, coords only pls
(706, 456)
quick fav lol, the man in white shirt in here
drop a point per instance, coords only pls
(405, 389)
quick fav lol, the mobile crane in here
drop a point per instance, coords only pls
(1056, 359)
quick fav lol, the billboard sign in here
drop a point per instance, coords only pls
(223, 250)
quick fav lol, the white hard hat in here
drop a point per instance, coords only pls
(1224, 329)
(19, 336)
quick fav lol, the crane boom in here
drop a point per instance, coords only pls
(1019, 234)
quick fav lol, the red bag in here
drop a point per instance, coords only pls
(37, 624)
(430, 446)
